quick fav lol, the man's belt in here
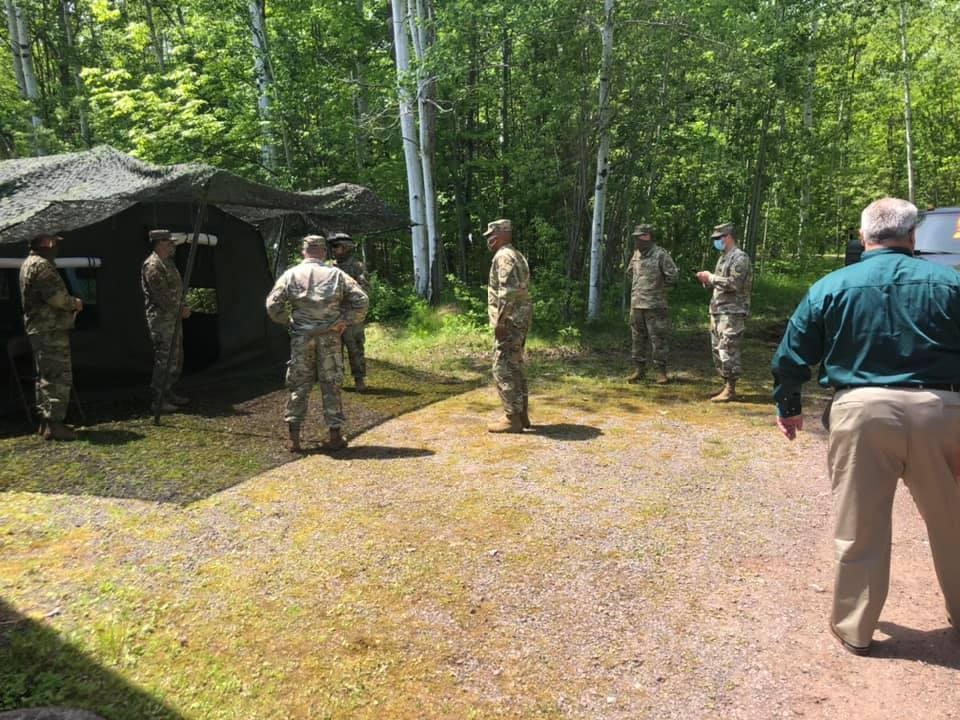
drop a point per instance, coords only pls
(950, 387)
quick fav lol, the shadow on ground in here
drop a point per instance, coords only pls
(37, 668)
(232, 430)
(929, 647)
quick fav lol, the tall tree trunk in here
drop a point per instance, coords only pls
(758, 187)
(155, 38)
(29, 77)
(81, 100)
(506, 48)
(907, 111)
(11, 10)
(271, 118)
(603, 167)
(421, 30)
(408, 130)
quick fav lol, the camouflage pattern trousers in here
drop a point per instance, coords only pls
(509, 371)
(353, 340)
(162, 330)
(650, 326)
(312, 359)
(726, 342)
(51, 354)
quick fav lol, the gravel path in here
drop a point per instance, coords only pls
(626, 559)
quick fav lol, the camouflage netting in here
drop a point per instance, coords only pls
(65, 192)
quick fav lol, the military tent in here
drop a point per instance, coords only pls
(103, 203)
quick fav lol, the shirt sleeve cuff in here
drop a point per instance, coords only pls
(790, 406)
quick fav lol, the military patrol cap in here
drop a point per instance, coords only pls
(504, 226)
(721, 230)
(314, 242)
(158, 235)
(643, 229)
(341, 238)
(37, 239)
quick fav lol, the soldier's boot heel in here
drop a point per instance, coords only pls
(293, 443)
(59, 431)
(662, 378)
(727, 394)
(637, 375)
(336, 441)
(509, 424)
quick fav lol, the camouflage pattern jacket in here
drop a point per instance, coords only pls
(162, 285)
(732, 281)
(355, 268)
(652, 273)
(508, 291)
(310, 298)
(47, 306)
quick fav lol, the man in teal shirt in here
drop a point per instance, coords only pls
(886, 333)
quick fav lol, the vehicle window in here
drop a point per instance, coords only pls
(939, 232)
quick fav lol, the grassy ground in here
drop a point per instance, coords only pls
(135, 582)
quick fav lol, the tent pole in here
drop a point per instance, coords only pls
(191, 259)
(281, 246)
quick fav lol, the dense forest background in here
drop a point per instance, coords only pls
(784, 117)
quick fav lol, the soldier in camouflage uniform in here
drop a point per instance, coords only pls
(316, 302)
(353, 337)
(651, 273)
(162, 288)
(48, 315)
(510, 311)
(731, 282)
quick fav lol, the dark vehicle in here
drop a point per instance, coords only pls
(938, 237)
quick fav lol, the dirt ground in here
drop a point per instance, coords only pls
(632, 556)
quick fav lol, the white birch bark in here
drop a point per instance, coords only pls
(907, 105)
(32, 93)
(408, 132)
(258, 28)
(11, 11)
(426, 91)
(603, 167)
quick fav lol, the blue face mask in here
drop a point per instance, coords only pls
(718, 244)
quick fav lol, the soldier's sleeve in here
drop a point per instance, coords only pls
(277, 309)
(629, 271)
(509, 292)
(669, 269)
(52, 290)
(355, 302)
(738, 275)
(363, 279)
(152, 284)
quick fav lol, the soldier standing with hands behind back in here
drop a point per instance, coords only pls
(510, 311)
(353, 337)
(48, 315)
(162, 287)
(652, 273)
(731, 282)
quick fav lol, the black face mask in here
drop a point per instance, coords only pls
(642, 245)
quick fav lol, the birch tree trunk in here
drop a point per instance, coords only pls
(421, 30)
(408, 130)
(15, 45)
(268, 117)
(603, 167)
(155, 38)
(907, 105)
(31, 91)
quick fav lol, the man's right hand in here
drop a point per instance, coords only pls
(789, 426)
(77, 304)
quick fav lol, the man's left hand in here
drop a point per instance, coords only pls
(185, 312)
(340, 327)
(790, 426)
(704, 277)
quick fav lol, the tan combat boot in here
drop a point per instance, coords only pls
(58, 431)
(336, 441)
(293, 444)
(662, 378)
(509, 424)
(637, 375)
(727, 394)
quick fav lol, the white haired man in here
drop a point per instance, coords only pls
(886, 334)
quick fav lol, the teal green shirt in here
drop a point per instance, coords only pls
(891, 319)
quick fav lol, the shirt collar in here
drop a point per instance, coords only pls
(885, 251)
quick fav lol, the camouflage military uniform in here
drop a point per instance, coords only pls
(162, 286)
(508, 305)
(652, 273)
(48, 312)
(353, 337)
(731, 281)
(311, 299)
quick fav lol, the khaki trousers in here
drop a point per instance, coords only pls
(878, 435)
